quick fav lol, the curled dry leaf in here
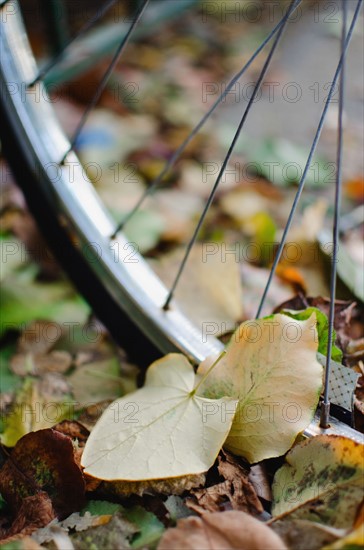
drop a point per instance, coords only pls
(321, 481)
(43, 461)
(34, 511)
(221, 531)
(160, 431)
(270, 365)
(235, 492)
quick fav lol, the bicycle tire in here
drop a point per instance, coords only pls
(65, 210)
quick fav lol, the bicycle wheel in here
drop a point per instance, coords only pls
(113, 277)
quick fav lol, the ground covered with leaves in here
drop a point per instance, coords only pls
(96, 452)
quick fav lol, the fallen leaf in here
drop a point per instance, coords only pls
(209, 291)
(144, 230)
(30, 412)
(160, 431)
(321, 481)
(300, 534)
(9, 382)
(34, 511)
(221, 531)
(39, 337)
(322, 327)
(258, 477)
(75, 521)
(270, 365)
(81, 523)
(352, 541)
(56, 301)
(347, 315)
(291, 275)
(354, 189)
(43, 461)
(307, 230)
(97, 381)
(235, 492)
(349, 269)
(254, 280)
(176, 508)
(139, 527)
(174, 485)
(117, 533)
(25, 242)
(36, 365)
(149, 527)
(12, 255)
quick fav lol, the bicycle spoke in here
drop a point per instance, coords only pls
(86, 27)
(325, 407)
(308, 164)
(226, 160)
(172, 161)
(106, 77)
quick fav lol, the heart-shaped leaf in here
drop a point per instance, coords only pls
(162, 430)
(270, 365)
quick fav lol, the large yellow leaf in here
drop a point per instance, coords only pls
(163, 430)
(270, 365)
(321, 481)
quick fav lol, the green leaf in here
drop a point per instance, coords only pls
(101, 508)
(12, 255)
(322, 330)
(9, 381)
(150, 528)
(283, 162)
(271, 366)
(24, 299)
(163, 430)
(321, 481)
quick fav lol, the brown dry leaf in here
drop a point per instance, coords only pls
(258, 477)
(79, 435)
(235, 492)
(174, 486)
(221, 531)
(39, 337)
(36, 365)
(34, 512)
(73, 429)
(43, 461)
(209, 290)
